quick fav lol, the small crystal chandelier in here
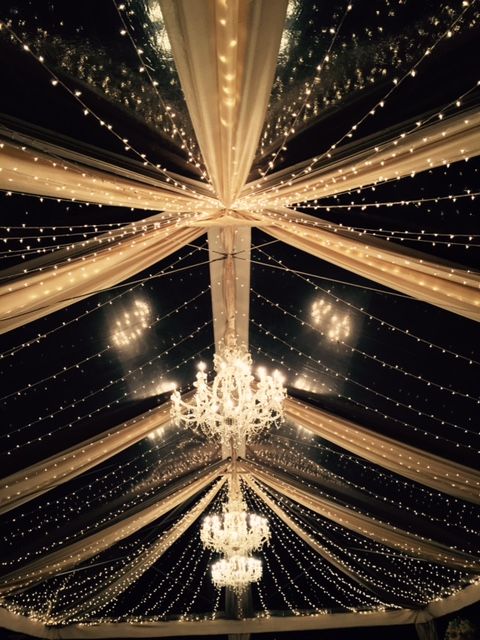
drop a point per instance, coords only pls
(236, 572)
(233, 408)
(234, 532)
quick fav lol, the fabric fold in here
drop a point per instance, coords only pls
(409, 151)
(125, 576)
(53, 172)
(217, 47)
(316, 546)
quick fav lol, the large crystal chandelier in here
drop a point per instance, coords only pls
(235, 407)
(236, 572)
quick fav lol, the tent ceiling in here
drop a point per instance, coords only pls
(302, 175)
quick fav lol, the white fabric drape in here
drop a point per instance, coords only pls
(87, 268)
(55, 175)
(449, 287)
(369, 527)
(423, 467)
(31, 482)
(130, 573)
(225, 54)
(73, 554)
(423, 148)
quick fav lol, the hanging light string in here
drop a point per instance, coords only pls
(33, 146)
(317, 491)
(402, 235)
(110, 384)
(140, 281)
(82, 588)
(412, 72)
(158, 588)
(388, 203)
(299, 550)
(135, 497)
(383, 478)
(333, 373)
(374, 358)
(334, 280)
(99, 305)
(194, 158)
(186, 613)
(456, 102)
(76, 365)
(287, 577)
(358, 403)
(302, 518)
(123, 486)
(422, 236)
(291, 443)
(380, 499)
(406, 332)
(92, 491)
(361, 231)
(315, 562)
(102, 239)
(290, 130)
(383, 146)
(402, 561)
(291, 509)
(92, 527)
(76, 94)
(96, 225)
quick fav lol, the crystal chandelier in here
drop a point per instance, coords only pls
(234, 408)
(236, 572)
(234, 532)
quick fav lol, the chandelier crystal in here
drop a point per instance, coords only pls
(236, 572)
(235, 407)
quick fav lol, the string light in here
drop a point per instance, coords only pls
(318, 311)
(370, 316)
(358, 403)
(99, 305)
(100, 390)
(88, 111)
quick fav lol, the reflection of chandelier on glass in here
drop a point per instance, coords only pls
(132, 324)
(336, 327)
(233, 408)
